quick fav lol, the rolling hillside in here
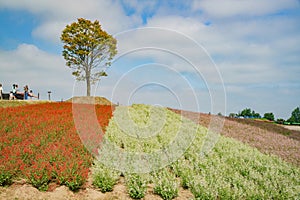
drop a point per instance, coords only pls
(247, 161)
(269, 138)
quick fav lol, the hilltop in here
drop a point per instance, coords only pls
(14, 103)
(90, 100)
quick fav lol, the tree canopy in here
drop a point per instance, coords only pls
(295, 116)
(88, 50)
(248, 113)
(269, 116)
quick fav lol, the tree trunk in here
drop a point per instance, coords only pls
(88, 87)
(88, 84)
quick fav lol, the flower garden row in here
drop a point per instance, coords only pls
(148, 145)
(266, 137)
(40, 143)
(231, 170)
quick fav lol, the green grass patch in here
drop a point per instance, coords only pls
(15, 103)
(104, 177)
(136, 185)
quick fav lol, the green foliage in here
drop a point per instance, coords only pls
(5, 103)
(200, 189)
(236, 171)
(248, 113)
(269, 116)
(87, 47)
(148, 130)
(295, 116)
(5, 178)
(136, 185)
(70, 176)
(75, 182)
(40, 179)
(166, 184)
(131, 123)
(183, 169)
(104, 177)
(232, 170)
(280, 121)
(186, 177)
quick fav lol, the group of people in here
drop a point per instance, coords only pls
(16, 94)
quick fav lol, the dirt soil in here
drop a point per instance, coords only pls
(24, 191)
(295, 128)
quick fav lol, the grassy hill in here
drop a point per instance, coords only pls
(76, 99)
(269, 126)
(90, 100)
(267, 137)
(146, 151)
(14, 103)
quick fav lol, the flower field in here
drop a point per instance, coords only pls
(232, 170)
(151, 150)
(266, 137)
(40, 143)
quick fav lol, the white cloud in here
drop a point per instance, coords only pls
(56, 14)
(231, 8)
(252, 48)
(168, 89)
(29, 56)
(40, 70)
(49, 31)
(168, 47)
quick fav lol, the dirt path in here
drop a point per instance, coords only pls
(267, 138)
(294, 128)
(24, 191)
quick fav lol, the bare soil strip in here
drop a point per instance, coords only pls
(27, 192)
(294, 128)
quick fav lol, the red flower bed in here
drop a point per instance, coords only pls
(41, 142)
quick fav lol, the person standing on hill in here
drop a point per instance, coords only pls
(15, 91)
(1, 91)
(12, 92)
(26, 92)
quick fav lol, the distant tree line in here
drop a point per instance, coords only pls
(248, 113)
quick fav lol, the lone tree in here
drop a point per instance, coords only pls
(88, 50)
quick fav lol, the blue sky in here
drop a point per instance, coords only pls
(202, 55)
